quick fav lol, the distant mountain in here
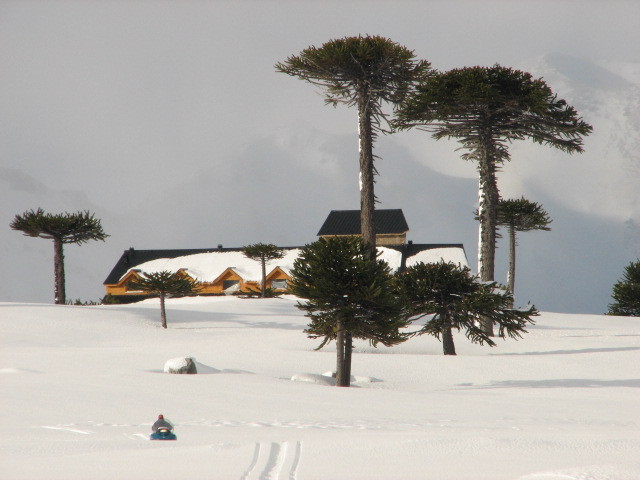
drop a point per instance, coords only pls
(605, 179)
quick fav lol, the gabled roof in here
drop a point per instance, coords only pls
(224, 274)
(347, 222)
(276, 270)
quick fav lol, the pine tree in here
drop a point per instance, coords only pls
(455, 300)
(62, 228)
(361, 71)
(519, 215)
(163, 284)
(486, 108)
(263, 253)
(626, 292)
(348, 295)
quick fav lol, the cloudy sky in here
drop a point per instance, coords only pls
(168, 121)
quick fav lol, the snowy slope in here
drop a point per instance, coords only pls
(81, 387)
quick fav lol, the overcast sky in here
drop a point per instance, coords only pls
(168, 121)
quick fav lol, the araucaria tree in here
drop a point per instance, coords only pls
(365, 72)
(263, 253)
(348, 295)
(626, 293)
(62, 228)
(486, 108)
(163, 284)
(519, 215)
(453, 299)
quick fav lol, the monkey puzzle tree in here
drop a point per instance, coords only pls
(486, 108)
(626, 292)
(163, 284)
(263, 253)
(365, 72)
(519, 215)
(455, 299)
(62, 228)
(348, 295)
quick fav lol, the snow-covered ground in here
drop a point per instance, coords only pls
(81, 386)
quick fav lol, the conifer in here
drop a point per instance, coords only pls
(365, 72)
(487, 108)
(62, 228)
(451, 298)
(626, 292)
(348, 295)
(263, 253)
(163, 284)
(519, 215)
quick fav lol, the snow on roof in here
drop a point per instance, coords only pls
(434, 255)
(206, 267)
(391, 256)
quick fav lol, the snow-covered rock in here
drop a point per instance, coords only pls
(181, 365)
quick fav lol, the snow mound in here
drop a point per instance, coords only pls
(592, 472)
(314, 378)
(355, 378)
(205, 369)
(364, 379)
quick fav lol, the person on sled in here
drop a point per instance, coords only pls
(161, 423)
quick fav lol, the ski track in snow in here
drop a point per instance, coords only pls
(67, 429)
(507, 423)
(361, 424)
(274, 461)
(296, 424)
(590, 472)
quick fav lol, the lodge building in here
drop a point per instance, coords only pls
(227, 271)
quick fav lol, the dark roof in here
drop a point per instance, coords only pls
(132, 257)
(347, 222)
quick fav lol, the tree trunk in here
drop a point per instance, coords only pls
(487, 212)
(367, 195)
(511, 275)
(488, 201)
(264, 277)
(348, 350)
(163, 313)
(340, 340)
(448, 347)
(60, 296)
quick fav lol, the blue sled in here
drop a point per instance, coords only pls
(163, 434)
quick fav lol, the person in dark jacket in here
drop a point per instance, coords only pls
(161, 423)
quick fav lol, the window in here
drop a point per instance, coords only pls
(230, 285)
(279, 284)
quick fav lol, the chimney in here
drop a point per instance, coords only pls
(129, 254)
